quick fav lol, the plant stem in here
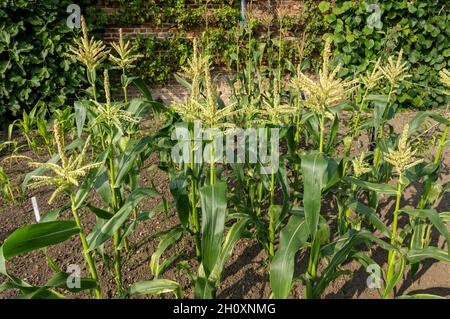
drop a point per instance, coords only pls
(322, 132)
(87, 255)
(424, 199)
(124, 87)
(195, 219)
(312, 267)
(437, 159)
(211, 165)
(260, 196)
(381, 133)
(271, 221)
(391, 256)
(355, 126)
(117, 265)
(441, 146)
(94, 92)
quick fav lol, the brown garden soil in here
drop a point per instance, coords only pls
(246, 273)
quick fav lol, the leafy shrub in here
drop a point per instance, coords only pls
(33, 40)
(161, 57)
(421, 28)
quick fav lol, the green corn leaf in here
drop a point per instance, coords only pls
(100, 213)
(42, 293)
(333, 133)
(182, 81)
(177, 188)
(313, 167)
(32, 237)
(89, 181)
(16, 283)
(420, 296)
(53, 214)
(102, 186)
(445, 217)
(292, 237)
(379, 188)
(434, 218)
(80, 116)
(365, 260)
(142, 86)
(128, 159)
(371, 215)
(396, 278)
(2, 262)
(204, 289)
(340, 250)
(60, 280)
(417, 255)
(138, 107)
(419, 119)
(235, 233)
(156, 287)
(166, 241)
(284, 182)
(169, 261)
(120, 217)
(214, 210)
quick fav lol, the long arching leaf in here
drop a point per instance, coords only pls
(214, 209)
(166, 241)
(313, 167)
(292, 237)
(98, 237)
(35, 236)
(156, 287)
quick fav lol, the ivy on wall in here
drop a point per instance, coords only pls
(362, 33)
(161, 57)
(182, 14)
(34, 39)
(34, 66)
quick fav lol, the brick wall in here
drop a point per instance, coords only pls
(173, 91)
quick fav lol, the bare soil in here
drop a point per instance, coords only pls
(246, 273)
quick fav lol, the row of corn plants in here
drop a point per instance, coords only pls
(338, 161)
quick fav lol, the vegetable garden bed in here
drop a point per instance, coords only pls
(295, 185)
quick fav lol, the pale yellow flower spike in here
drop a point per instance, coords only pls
(88, 52)
(404, 157)
(445, 79)
(360, 167)
(329, 90)
(395, 71)
(110, 114)
(371, 79)
(195, 109)
(59, 142)
(66, 175)
(126, 57)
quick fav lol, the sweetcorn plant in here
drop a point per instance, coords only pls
(91, 53)
(65, 176)
(124, 61)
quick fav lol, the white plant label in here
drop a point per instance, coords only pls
(37, 214)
